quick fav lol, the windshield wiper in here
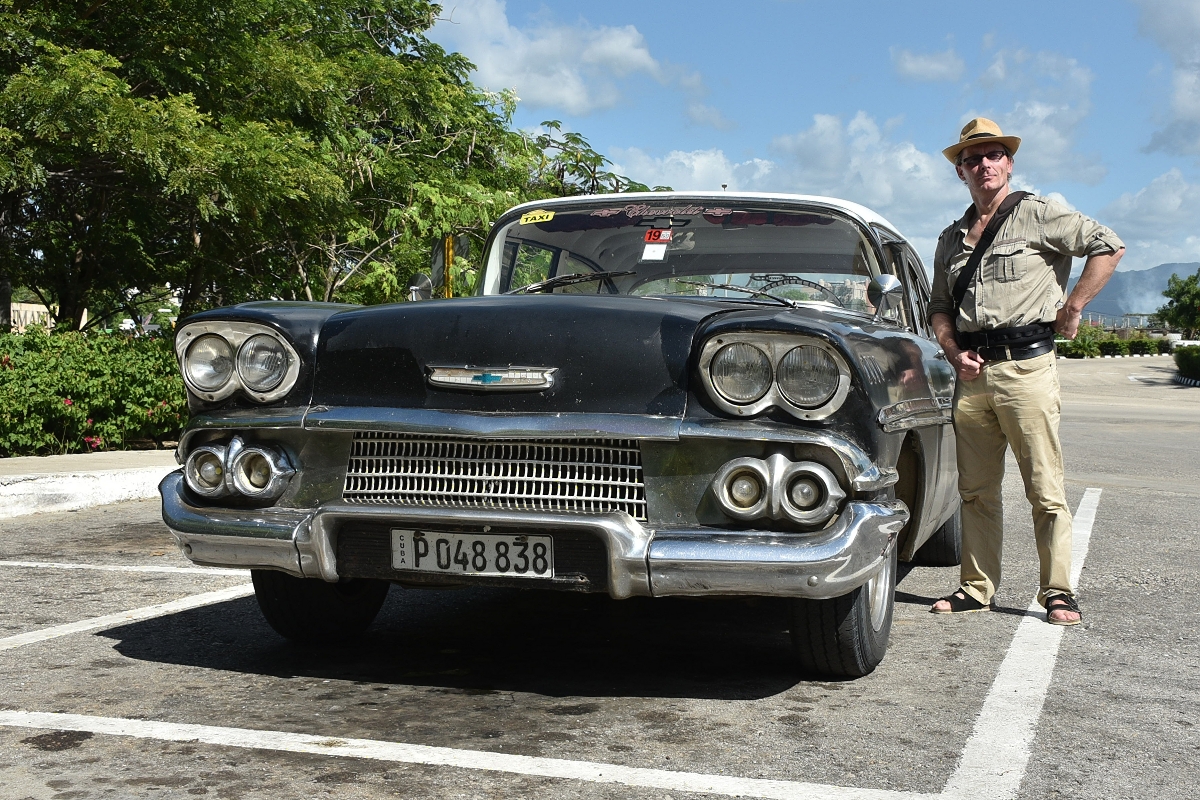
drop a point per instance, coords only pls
(567, 280)
(736, 288)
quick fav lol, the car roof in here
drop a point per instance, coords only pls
(863, 214)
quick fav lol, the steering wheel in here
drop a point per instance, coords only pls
(785, 280)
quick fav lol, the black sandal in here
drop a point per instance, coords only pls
(1062, 602)
(962, 603)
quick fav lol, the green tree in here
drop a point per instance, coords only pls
(249, 148)
(1182, 310)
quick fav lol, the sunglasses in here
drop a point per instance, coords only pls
(971, 162)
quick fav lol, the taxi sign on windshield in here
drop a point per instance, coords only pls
(536, 216)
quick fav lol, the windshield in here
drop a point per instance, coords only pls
(693, 249)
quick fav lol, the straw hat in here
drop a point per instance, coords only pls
(979, 131)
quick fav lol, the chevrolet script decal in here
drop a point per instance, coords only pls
(510, 379)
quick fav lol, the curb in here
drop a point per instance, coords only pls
(71, 491)
(1185, 381)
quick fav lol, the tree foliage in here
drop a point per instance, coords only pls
(1182, 310)
(250, 148)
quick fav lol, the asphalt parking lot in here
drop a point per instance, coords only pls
(125, 672)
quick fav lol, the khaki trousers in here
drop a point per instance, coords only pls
(1015, 404)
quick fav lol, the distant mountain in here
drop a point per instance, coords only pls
(1137, 291)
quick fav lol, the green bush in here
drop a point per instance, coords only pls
(1086, 343)
(75, 392)
(1164, 346)
(1188, 361)
(1142, 347)
(1114, 347)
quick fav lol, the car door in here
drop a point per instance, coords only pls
(942, 476)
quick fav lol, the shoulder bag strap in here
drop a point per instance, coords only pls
(985, 241)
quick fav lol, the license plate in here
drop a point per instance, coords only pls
(492, 554)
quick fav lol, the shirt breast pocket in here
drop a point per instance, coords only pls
(1010, 259)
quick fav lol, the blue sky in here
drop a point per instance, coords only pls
(857, 99)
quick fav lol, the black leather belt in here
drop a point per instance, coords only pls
(1016, 336)
(1015, 353)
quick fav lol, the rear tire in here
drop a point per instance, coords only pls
(312, 611)
(847, 636)
(944, 548)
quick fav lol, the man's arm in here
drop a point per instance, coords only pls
(1096, 272)
(967, 363)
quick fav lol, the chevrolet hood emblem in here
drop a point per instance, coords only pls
(511, 379)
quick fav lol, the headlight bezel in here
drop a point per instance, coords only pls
(776, 345)
(235, 334)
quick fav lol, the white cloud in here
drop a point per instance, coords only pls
(1055, 99)
(696, 170)
(573, 68)
(1175, 25)
(1158, 223)
(945, 66)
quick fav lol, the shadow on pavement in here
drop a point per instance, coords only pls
(484, 640)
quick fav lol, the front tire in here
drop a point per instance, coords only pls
(312, 611)
(847, 636)
(944, 548)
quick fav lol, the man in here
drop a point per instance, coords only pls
(998, 335)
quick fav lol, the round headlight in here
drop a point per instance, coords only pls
(808, 376)
(741, 372)
(209, 363)
(262, 362)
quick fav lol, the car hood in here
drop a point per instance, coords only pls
(613, 354)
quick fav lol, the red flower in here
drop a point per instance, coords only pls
(89, 423)
(93, 441)
(68, 401)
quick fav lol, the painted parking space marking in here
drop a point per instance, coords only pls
(992, 765)
(124, 617)
(149, 568)
(444, 756)
(995, 757)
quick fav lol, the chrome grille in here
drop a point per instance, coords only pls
(575, 475)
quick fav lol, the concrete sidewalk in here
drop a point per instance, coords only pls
(67, 483)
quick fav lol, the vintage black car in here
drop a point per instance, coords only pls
(651, 395)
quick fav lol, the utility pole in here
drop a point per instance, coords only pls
(448, 262)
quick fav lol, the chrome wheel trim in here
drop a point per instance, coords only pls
(877, 593)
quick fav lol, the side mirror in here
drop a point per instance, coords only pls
(420, 287)
(885, 292)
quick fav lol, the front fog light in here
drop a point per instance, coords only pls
(260, 472)
(745, 490)
(204, 471)
(805, 493)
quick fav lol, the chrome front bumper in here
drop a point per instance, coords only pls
(642, 562)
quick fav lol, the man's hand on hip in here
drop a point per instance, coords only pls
(1067, 322)
(967, 363)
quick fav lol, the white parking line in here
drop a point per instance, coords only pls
(995, 757)
(134, 615)
(125, 568)
(992, 766)
(449, 757)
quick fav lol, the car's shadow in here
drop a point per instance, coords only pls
(504, 640)
(549, 643)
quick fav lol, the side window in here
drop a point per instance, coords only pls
(894, 265)
(917, 286)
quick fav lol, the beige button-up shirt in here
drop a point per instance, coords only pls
(1023, 278)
